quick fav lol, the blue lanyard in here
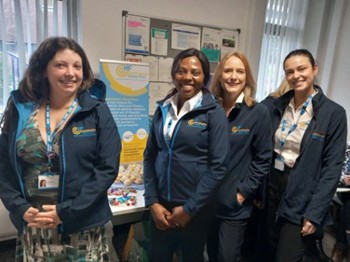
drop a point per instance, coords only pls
(50, 153)
(294, 126)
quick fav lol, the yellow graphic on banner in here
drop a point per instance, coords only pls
(133, 151)
(122, 72)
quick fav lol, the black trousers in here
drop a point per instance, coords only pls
(285, 242)
(225, 240)
(189, 242)
(276, 186)
(343, 219)
(291, 245)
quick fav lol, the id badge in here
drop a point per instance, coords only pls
(279, 164)
(48, 181)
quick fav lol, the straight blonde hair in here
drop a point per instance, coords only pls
(249, 90)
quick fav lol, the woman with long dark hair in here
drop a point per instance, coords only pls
(309, 143)
(54, 130)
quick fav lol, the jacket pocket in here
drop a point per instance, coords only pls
(184, 177)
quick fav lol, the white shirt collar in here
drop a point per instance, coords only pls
(188, 106)
(239, 101)
(240, 98)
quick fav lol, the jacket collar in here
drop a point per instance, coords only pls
(86, 102)
(208, 101)
(282, 102)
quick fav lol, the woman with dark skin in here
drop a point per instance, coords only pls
(185, 161)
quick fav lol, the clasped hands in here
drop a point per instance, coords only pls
(47, 218)
(164, 219)
(308, 228)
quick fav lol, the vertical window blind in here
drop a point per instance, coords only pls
(284, 23)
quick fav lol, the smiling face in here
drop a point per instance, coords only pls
(65, 73)
(233, 77)
(300, 74)
(189, 78)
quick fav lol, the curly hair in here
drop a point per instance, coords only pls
(34, 85)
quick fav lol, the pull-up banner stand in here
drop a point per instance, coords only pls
(127, 97)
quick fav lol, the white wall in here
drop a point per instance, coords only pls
(339, 89)
(102, 22)
(102, 31)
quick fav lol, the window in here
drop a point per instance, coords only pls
(284, 23)
(24, 25)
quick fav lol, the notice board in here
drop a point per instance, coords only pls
(157, 41)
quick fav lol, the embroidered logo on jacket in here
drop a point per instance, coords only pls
(303, 125)
(318, 136)
(237, 130)
(195, 123)
(81, 132)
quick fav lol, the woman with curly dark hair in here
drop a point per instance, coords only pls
(53, 130)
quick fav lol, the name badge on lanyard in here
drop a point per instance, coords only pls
(50, 180)
(279, 164)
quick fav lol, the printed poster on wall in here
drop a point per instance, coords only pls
(185, 36)
(159, 41)
(127, 97)
(137, 35)
(229, 41)
(211, 43)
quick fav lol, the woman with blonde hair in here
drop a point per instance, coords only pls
(249, 156)
(282, 88)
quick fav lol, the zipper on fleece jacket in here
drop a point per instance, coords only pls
(170, 156)
(63, 174)
(164, 111)
(63, 161)
(17, 171)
